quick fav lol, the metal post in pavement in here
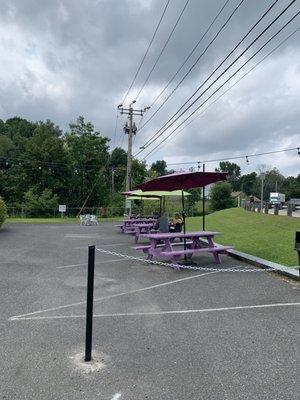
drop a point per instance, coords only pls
(89, 304)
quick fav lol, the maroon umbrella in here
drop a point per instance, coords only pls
(184, 180)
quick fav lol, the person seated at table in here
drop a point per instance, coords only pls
(155, 214)
(163, 223)
(176, 223)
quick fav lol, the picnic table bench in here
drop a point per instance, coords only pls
(163, 245)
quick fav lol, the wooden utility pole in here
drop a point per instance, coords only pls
(130, 129)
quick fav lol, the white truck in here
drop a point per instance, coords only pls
(277, 198)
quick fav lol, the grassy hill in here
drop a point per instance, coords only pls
(266, 236)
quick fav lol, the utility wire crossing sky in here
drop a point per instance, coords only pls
(67, 59)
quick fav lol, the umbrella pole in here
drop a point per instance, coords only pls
(183, 215)
(160, 206)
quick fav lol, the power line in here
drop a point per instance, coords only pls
(191, 53)
(227, 90)
(246, 156)
(227, 80)
(49, 164)
(166, 126)
(195, 63)
(148, 48)
(162, 50)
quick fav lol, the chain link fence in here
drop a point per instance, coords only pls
(171, 208)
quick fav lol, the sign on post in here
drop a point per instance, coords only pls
(62, 208)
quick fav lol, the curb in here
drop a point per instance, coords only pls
(261, 263)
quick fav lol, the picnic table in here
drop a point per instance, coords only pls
(164, 245)
(140, 229)
(127, 224)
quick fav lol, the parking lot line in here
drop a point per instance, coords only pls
(81, 265)
(111, 296)
(157, 313)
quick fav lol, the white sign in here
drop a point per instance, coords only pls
(62, 208)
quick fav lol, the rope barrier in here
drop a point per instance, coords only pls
(188, 267)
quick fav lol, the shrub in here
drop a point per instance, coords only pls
(221, 196)
(2, 211)
(43, 205)
(116, 204)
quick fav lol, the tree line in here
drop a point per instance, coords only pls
(41, 166)
(250, 184)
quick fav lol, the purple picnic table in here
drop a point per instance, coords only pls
(127, 224)
(140, 229)
(163, 245)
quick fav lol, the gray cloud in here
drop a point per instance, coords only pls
(61, 59)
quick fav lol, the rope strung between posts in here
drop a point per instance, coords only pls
(189, 267)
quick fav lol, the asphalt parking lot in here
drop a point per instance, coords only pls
(158, 334)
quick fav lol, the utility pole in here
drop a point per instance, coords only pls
(130, 129)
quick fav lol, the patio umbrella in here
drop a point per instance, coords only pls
(152, 195)
(181, 181)
(155, 193)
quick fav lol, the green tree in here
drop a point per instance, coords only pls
(2, 127)
(195, 195)
(221, 196)
(249, 184)
(273, 180)
(14, 133)
(159, 167)
(118, 163)
(234, 173)
(46, 162)
(2, 211)
(7, 148)
(291, 187)
(116, 204)
(44, 205)
(138, 172)
(17, 128)
(88, 152)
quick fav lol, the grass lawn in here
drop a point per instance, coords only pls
(54, 220)
(267, 236)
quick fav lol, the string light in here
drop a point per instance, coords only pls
(237, 157)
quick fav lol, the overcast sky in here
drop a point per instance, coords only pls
(65, 58)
